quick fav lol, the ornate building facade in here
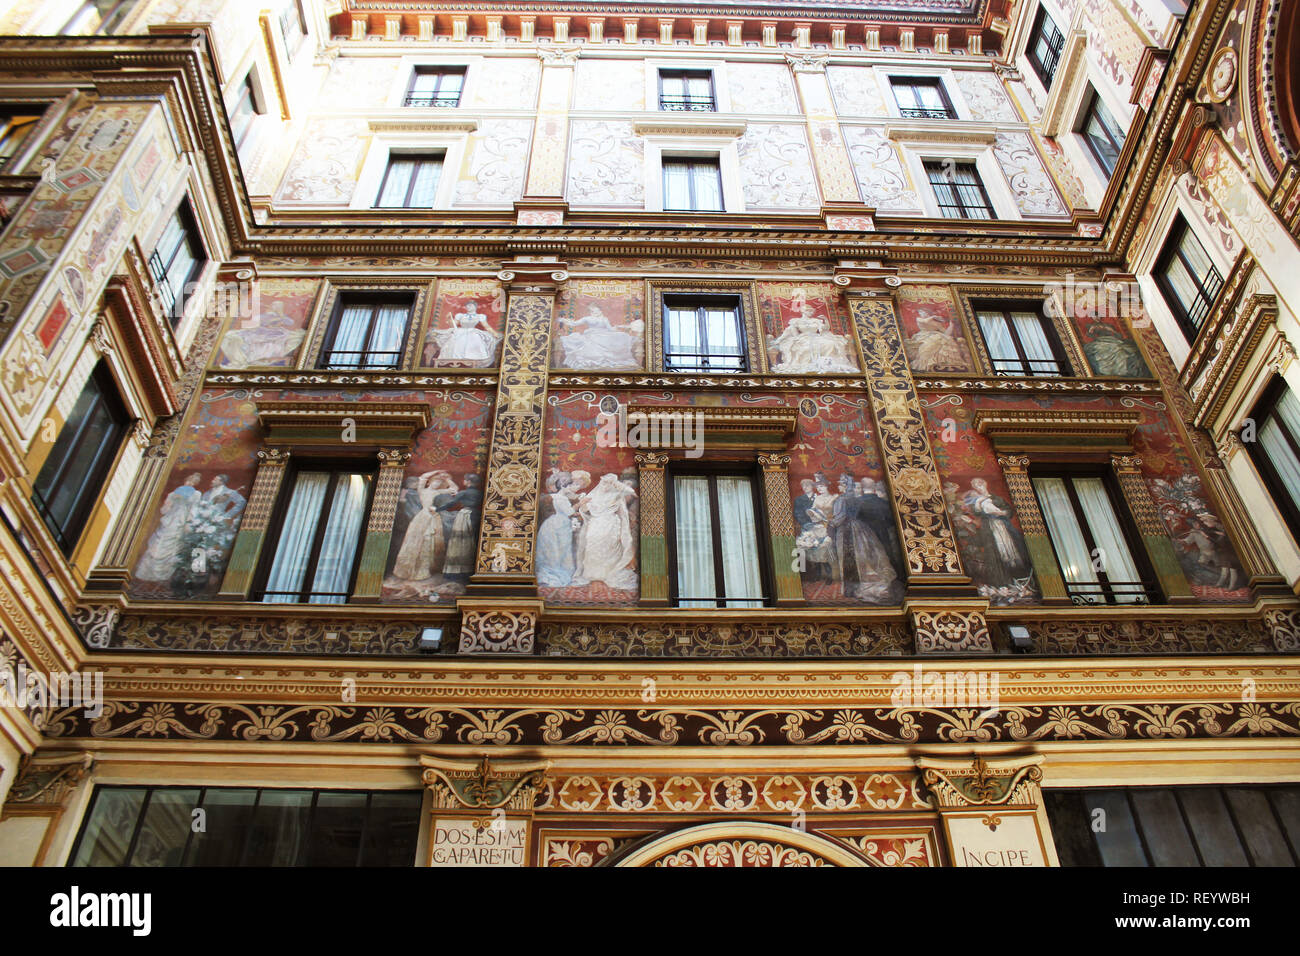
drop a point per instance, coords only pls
(650, 433)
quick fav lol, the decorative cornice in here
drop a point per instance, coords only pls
(1066, 428)
(340, 424)
(706, 125)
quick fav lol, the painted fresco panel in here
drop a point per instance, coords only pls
(807, 329)
(776, 169)
(989, 539)
(325, 166)
(359, 82)
(1030, 182)
(606, 164)
(599, 326)
(932, 329)
(499, 81)
(609, 85)
(757, 88)
(435, 529)
(273, 334)
(495, 161)
(879, 170)
(985, 97)
(465, 331)
(857, 91)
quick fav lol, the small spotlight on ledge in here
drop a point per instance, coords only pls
(430, 640)
(1021, 642)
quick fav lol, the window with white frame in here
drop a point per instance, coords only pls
(410, 180)
(1102, 133)
(692, 183)
(921, 97)
(1046, 41)
(244, 111)
(1187, 278)
(293, 28)
(435, 86)
(177, 260)
(959, 190)
(687, 90)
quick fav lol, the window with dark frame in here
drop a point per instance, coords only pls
(177, 260)
(1187, 278)
(687, 91)
(367, 331)
(1218, 826)
(1019, 339)
(704, 334)
(74, 475)
(1093, 538)
(921, 97)
(1044, 47)
(248, 826)
(16, 124)
(410, 181)
(312, 557)
(692, 184)
(244, 112)
(436, 86)
(1104, 136)
(959, 190)
(716, 551)
(1272, 438)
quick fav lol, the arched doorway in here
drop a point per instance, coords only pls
(739, 844)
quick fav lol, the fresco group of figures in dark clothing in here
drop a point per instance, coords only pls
(847, 538)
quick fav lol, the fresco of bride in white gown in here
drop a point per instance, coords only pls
(807, 331)
(465, 331)
(599, 327)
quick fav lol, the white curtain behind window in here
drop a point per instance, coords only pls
(997, 336)
(338, 547)
(1117, 561)
(740, 576)
(294, 547)
(1280, 454)
(677, 187)
(708, 186)
(386, 342)
(1067, 537)
(1034, 341)
(350, 339)
(695, 577)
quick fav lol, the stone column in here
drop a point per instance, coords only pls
(783, 534)
(654, 545)
(1037, 540)
(1155, 537)
(244, 555)
(379, 527)
(992, 810)
(947, 612)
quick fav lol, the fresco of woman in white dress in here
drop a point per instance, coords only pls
(467, 340)
(935, 346)
(271, 338)
(556, 561)
(596, 343)
(424, 546)
(162, 555)
(807, 345)
(606, 549)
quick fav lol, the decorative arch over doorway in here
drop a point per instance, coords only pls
(743, 843)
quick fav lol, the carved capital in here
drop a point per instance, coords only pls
(774, 462)
(49, 780)
(1125, 462)
(394, 457)
(1013, 463)
(273, 456)
(486, 785)
(101, 339)
(651, 460)
(807, 62)
(958, 785)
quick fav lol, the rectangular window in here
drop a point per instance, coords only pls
(1275, 449)
(292, 27)
(435, 86)
(320, 529)
(367, 332)
(96, 17)
(15, 126)
(1044, 47)
(687, 90)
(1187, 278)
(693, 185)
(1177, 826)
(716, 553)
(1091, 540)
(958, 190)
(704, 334)
(921, 97)
(410, 181)
(74, 476)
(1104, 136)
(244, 111)
(177, 260)
(1020, 341)
(150, 826)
